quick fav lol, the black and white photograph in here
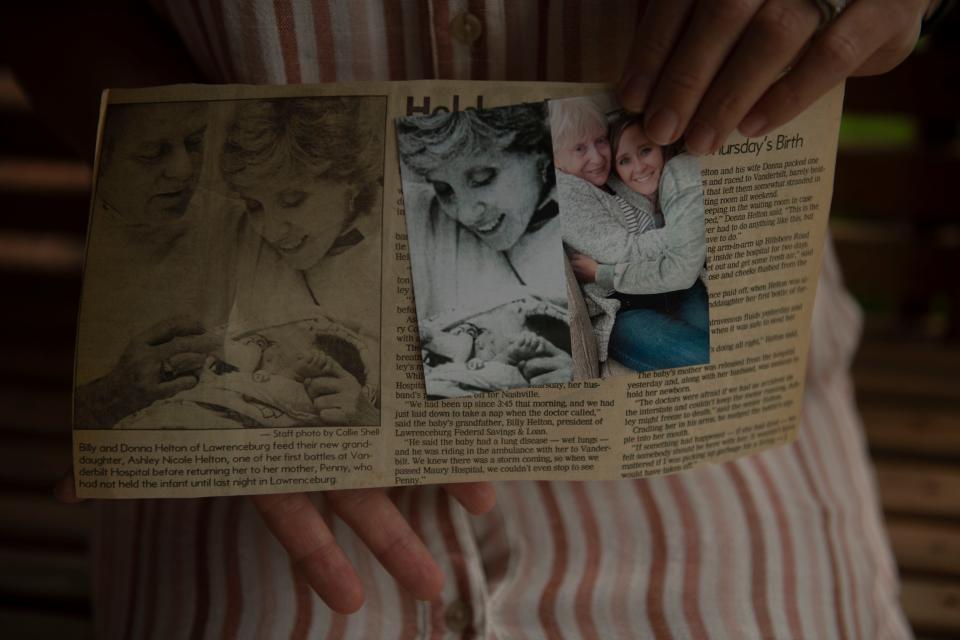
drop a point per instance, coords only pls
(232, 277)
(483, 227)
(632, 215)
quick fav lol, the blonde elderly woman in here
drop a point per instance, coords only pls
(482, 219)
(308, 171)
(622, 254)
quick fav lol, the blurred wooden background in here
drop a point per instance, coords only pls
(44, 562)
(896, 223)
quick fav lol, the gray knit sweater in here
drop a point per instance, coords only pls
(657, 261)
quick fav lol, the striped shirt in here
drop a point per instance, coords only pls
(785, 544)
(637, 221)
(290, 41)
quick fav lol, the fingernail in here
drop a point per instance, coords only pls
(753, 124)
(633, 90)
(700, 138)
(661, 126)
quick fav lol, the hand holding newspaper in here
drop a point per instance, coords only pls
(283, 293)
(155, 371)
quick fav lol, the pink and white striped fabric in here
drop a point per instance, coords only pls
(291, 41)
(787, 544)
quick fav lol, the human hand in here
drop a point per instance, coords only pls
(584, 267)
(299, 527)
(294, 520)
(157, 363)
(551, 371)
(551, 364)
(335, 392)
(701, 68)
(523, 347)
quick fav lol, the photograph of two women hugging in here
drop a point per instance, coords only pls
(494, 198)
(632, 219)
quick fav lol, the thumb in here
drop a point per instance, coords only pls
(313, 367)
(330, 369)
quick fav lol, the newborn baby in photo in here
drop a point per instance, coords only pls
(286, 353)
(519, 344)
(260, 382)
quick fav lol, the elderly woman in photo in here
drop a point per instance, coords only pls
(482, 217)
(309, 171)
(637, 237)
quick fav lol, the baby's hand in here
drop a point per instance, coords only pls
(312, 360)
(525, 346)
(550, 364)
(335, 393)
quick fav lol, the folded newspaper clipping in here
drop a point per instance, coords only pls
(375, 284)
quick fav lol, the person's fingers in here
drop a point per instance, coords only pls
(169, 388)
(536, 366)
(312, 360)
(202, 344)
(166, 330)
(475, 497)
(582, 265)
(888, 57)
(311, 369)
(323, 390)
(548, 347)
(841, 49)
(525, 340)
(374, 517)
(333, 369)
(715, 28)
(186, 362)
(323, 366)
(217, 337)
(66, 489)
(658, 32)
(897, 48)
(778, 32)
(299, 527)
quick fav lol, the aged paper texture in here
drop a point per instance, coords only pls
(248, 322)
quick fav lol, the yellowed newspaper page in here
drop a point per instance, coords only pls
(767, 201)
(248, 320)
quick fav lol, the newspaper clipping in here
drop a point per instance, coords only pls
(357, 285)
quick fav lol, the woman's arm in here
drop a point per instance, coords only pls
(683, 238)
(591, 225)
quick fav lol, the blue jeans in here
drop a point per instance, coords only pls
(662, 331)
